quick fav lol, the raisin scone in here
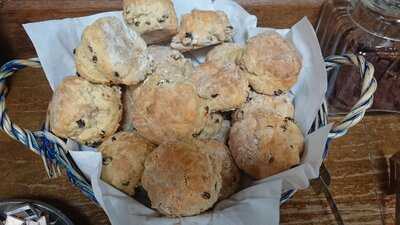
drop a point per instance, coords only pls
(83, 111)
(216, 128)
(168, 109)
(230, 173)
(223, 88)
(225, 53)
(271, 63)
(169, 62)
(265, 145)
(181, 180)
(111, 53)
(155, 20)
(127, 108)
(264, 104)
(124, 155)
(201, 28)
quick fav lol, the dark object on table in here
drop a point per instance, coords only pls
(32, 209)
(370, 28)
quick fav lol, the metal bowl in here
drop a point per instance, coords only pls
(56, 217)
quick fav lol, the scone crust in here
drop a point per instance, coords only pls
(111, 53)
(225, 53)
(230, 173)
(169, 62)
(263, 104)
(263, 146)
(168, 109)
(216, 128)
(223, 88)
(124, 155)
(271, 63)
(85, 112)
(155, 20)
(201, 28)
(181, 180)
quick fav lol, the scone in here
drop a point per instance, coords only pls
(110, 53)
(271, 63)
(181, 180)
(127, 108)
(230, 173)
(169, 62)
(263, 104)
(168, 109)
(155, 20)
(124, 155)
(225, 53)
(216, 128)
(223, 88)
(265, 145)
(201, 28)
(85, 112)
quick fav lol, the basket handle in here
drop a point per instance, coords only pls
(368, 88)
(52, 149)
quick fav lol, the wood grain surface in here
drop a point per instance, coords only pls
(357, 162)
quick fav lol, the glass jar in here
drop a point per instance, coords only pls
(370, 28)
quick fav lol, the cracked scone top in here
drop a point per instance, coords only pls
(265, 144)
(181, 180)
(155, 20)
(270, 63)
(166, 109)
(109, 52)
(83, 111)
(223, 88)
(124, 155)
(201, 28)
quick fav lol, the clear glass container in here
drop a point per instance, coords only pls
(370, 28)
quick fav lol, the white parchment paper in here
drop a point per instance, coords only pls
(258, 204)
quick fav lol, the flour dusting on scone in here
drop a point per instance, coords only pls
(223, 88)
(155, 20)
(85, 112)
(123, 156)
(271, 63)
(167, 109)
(201, 28)
(181, 180)
(109, 52)
(265, 145)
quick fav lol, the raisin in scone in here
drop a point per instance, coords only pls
(169, 62)
(230, 173)
(271, 63)
(223, 88)
(83, 111)
(181, 180)
(225, 53)
(111, 53)
(216, 128)
(201, 28)
(168, 109)
(124, 155)
(265, 145)
(264, 104)
(155, 20)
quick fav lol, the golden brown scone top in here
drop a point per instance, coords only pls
(168, 109)
(265, 145)
(225, 53)
(124, 155)
(271, 63)
(111, 53)
(181, 180)
(84, 112)
(223, 88)
(201, 28)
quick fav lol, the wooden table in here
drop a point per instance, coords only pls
(357, 161)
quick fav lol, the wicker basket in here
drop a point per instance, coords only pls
(54, 150)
